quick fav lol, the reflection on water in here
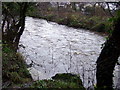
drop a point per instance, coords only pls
(51, 48)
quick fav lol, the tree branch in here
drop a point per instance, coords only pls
(109, 9)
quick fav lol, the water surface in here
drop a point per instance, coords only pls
(52, 48)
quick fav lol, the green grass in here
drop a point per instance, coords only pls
(77, 20)
(14, 69)
(55, 84)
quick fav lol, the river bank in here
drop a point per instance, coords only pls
(99, 24)
(14, 69)
(52, 48)
(15, 74)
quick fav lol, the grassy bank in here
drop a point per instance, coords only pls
(101, 24)
(14, 70)
(16, 75)
(65, 80)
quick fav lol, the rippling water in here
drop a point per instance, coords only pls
(52, 48)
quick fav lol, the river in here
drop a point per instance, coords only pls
(51, 48)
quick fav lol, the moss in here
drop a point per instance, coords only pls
(60, 81)
(68, 77)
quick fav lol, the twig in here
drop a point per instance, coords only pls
(70, 55)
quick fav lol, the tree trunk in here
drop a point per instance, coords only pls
(22, 24)
(15, 26)
(3, 24)
(73, 6)
(108, 58)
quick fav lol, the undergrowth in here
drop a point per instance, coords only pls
(14, 70)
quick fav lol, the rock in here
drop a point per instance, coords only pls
(68, 77)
